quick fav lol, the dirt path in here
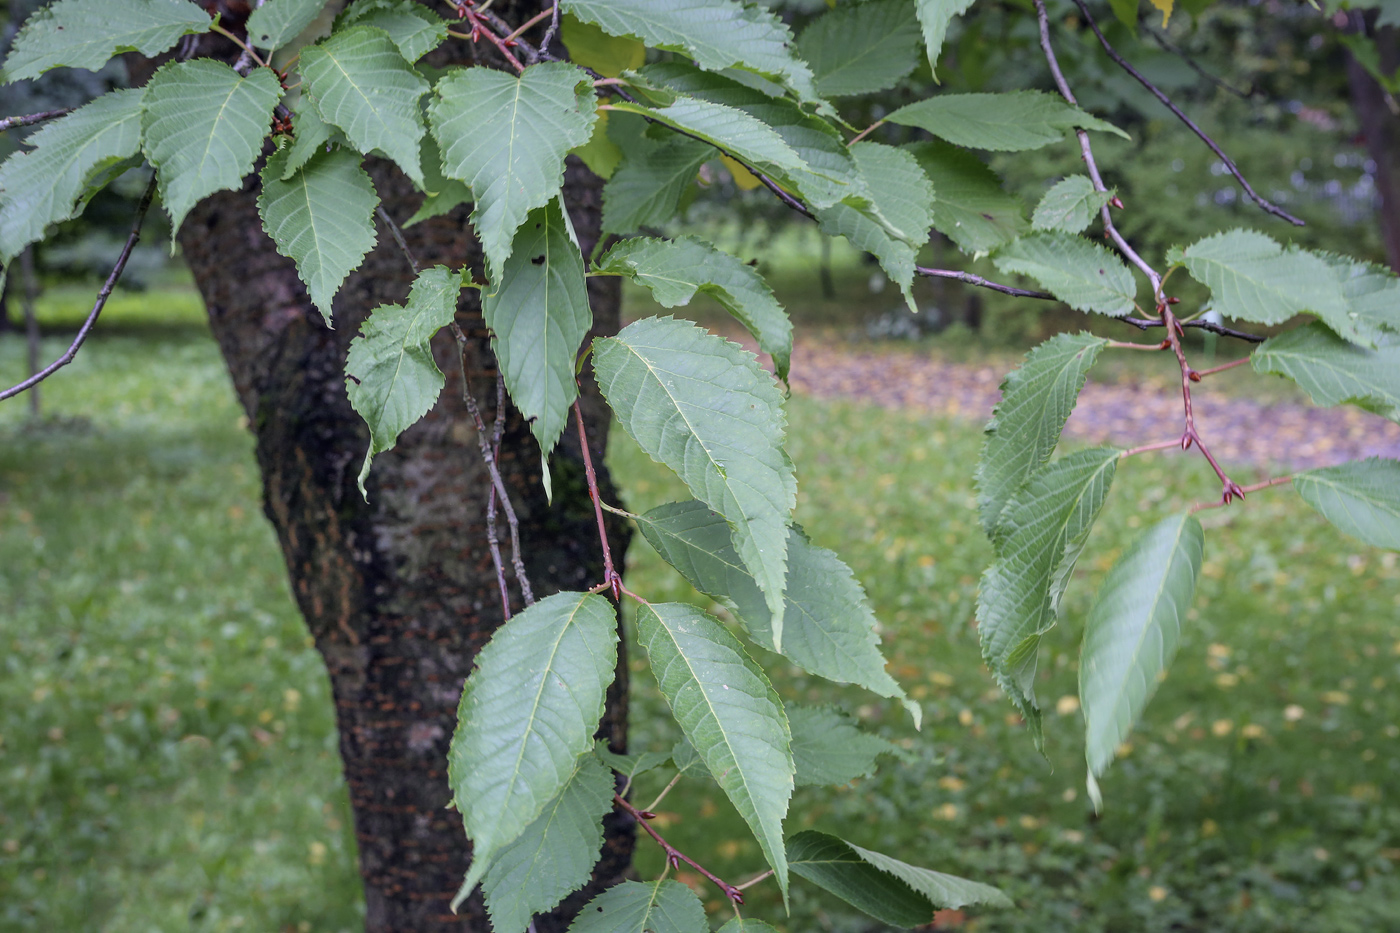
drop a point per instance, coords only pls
(1238, 430)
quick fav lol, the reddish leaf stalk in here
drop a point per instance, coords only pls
(611, 579)
(675, 856)
(1275, 481)
(1199, 374)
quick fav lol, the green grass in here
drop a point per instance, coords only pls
(167, 748)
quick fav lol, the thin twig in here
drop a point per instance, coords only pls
(970, 279)
(537, 18)
(611, 579)
(492, 467)
(244, 63)
(1275, 481)
(1199, 374)
(552, 30)
(1268, 206)
(1124, 345)
(479, 29)
(1209, 326)
(1190, 435)
(866, 132)
(761, 876)
(397, 234)
(1169, 46)
(493, 541)
(675, 856)
(101, 302)
(247, 49)
(664, 791)
(10, 123)
(1146, 448)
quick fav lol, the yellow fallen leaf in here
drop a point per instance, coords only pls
(744, 179)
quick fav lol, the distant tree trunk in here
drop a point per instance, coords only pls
(1381, 127)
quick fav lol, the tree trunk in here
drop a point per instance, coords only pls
(1381, 127)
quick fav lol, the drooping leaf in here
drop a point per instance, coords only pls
(46, 184)
(635, 907)
(203, 127)
(322, 218)
(360, 83)
(717, 34)
(861, 49)
(506, 136)
(1333, 371)
(415, 29)
(829, 628)
(1362, 498)
(729, 712)
(1132, 634)
(970, 207)
(701, 405)
(1372, 297)
(674, 270)
(887, 889)
(391, 377)
(828, 748)
(1070, 205)
(278, 22)
(538, 315)
(528, 712)
(648, 185)
(1252, 278)
(1006, 122)
(555, 853)
(1036, 400)
(86, 33)
(934, 17)
(726, 127)
(1081, 273)
(1046, 525)
(592, 48)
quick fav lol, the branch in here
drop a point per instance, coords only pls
(397, 234)
(493, 541)
(553, 28)
(675, 856)
(10, 123)
(101, 302)
(1275, 481)
(1222, 330)
(1268, 206)
(611, 579)
(970, 279)
(1169, 46)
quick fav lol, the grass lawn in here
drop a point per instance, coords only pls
(167, 753)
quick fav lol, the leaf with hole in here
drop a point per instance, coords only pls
(277, 22)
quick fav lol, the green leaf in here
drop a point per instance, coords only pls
(725, 127)
(861, 49)
(322, 218)
(629, 766)
(204, 127)
(46, 184)
(1007, 122)
(539, 315)
(528, 712)
(634, 907)
(415, 29)
(970, 207)
(829, 628)
(729, 712)
(687, 760)
(1046, 525)
(86, 33)
(592, 48)
(600, 153)
(391, 377)
(675, 270)
(647, 187)
(443, 193)
(887, 889)
(506, 137)
(278, 22)
(743, 925)
(1132, 635)
(702, 406)
(360, 83)
(1333, 371)
(1081, 273)
(827, 748)
(1070, 205)
(934, 17)
(717, 34)
(1252, 278)
(1372, 297)
(554, 855)
(310, 135)
(1036, 400)
(1362, 498)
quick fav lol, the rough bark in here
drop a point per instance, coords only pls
(1381, 128)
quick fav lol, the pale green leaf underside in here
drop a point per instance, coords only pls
(1081, 273)
(970, 207)
(1069, 206)
(1362, 498)
(1252, 278)
(728, 710)
(45, 185)
(278, 22)
(310, 135)
(86, 33)
(1333, 371)
(946, 891)
(675, 270)
(1371, 295)
(391, 377)
(415, 29)
(934, 17)
(1007, 122)
(637, 907)
(528, 712)
(701, 405)
(1132, 634)
(629, 766)
(725, 127)
(360, 83)
(555, 853)
(322, 218)
(861, 49)
(538, 315)
(507, 137)
(828, 748)
(829, 628)
(1036, 400)
(204, 127)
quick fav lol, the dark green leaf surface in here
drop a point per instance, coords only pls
(1079, 272)
(310, 135)
(86, 33)
(828, 748)
(1333, 371)
(1362, 498)
(934, 17)
(725, 127)
(648, 185)
(729, 712)
(970, 207)
(1007, 122)
(1253, 278)
(278, 22)
(415, 29)
(634, 907)
(1371, 295)
(1070, 205)
(861, 49)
